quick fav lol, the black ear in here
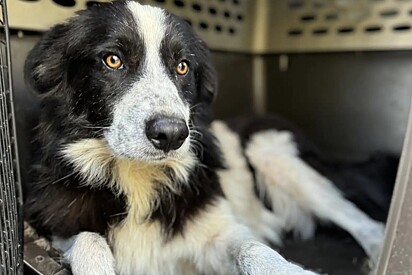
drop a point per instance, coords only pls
(206, 76)
(208, 82)
(44, 66)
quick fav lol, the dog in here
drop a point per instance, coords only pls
(131, 174)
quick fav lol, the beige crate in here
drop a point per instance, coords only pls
(263, 26)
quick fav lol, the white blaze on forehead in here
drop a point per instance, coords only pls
(152, 28)
(153, 94)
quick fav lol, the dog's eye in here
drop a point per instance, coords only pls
(113, 62)
(182, 68)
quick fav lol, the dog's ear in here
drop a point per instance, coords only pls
(44, 66)
(206, 76)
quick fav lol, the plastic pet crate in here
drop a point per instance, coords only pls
(10, 191)
(339, 68)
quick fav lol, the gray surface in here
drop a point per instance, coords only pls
(397, 251)
(235, 84)
(26, 106)
(350, 104)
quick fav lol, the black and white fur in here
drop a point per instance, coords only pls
(117, 205)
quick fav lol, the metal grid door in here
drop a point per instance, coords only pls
(10, 198)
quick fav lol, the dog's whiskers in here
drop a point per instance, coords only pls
(96, 127)
(195, 106)
(63, 178)
(197, 147)
(118, 214)
(195, 133)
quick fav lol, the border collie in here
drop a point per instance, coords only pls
(132, 176)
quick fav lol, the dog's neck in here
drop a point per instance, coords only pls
(137, 180)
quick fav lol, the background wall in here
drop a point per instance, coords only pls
(351, 103)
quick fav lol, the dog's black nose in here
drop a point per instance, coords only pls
(167, 133)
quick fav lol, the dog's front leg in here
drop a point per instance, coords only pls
(255, 258)
(88, 254)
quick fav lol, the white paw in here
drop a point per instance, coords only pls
(257, 259)
(372, 241)
(90, 255)
(270, 227)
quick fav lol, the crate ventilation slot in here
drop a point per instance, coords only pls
(222, 23)
(316, 25)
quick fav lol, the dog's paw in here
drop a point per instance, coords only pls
(90, 254)
(372, 242)
(270, 227)
(255, 258)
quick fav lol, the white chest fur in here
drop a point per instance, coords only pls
(202, 248)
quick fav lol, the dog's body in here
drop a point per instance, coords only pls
(118, 198)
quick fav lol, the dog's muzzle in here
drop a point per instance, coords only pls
(167, 133)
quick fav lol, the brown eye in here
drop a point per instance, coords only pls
(182, 68)
(113, 62)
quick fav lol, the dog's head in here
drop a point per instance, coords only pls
(135, 75)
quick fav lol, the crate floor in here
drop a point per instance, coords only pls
(332, 251)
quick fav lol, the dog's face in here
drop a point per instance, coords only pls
(137, 75)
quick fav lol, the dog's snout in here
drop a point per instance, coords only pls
(167, 133)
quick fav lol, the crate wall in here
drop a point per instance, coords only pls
(10, 193)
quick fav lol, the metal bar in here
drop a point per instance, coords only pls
(17, 175)
(10, 189)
